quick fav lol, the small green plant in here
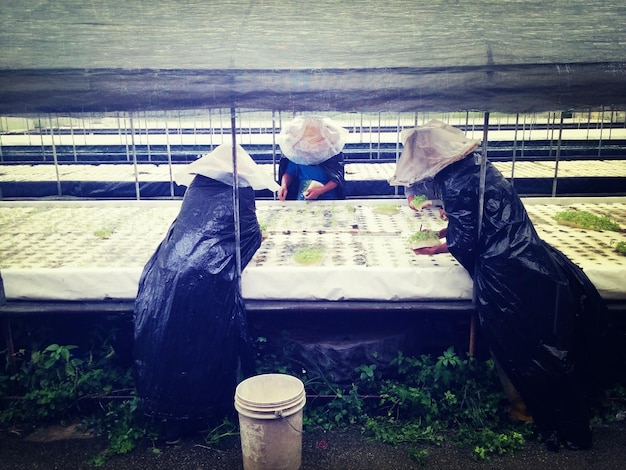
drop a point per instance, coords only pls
(48, 381)
(587, 220)
(620, 248)
(386, 208)
(309, 184)
(418, 202)
(367, 373)
(54, 384)
(419, 455)
(495, 443)
(103, 233)
(215, 436)
(123, 426)
(309, 255)
(415, 401)
(264, 230)
(423, 239)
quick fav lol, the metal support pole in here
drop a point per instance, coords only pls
(233, 133)
(558, 157)
(481, 210)
(134, 151)
(55, 158)
(169, 157)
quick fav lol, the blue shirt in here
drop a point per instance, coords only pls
(306, 173)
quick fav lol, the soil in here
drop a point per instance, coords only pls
(347, 449)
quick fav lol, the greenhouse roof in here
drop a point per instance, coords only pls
(508, 56)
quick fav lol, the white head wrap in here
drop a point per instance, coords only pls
(311, 140)
(218, 165)
(428, 149)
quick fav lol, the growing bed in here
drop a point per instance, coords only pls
(95, 251)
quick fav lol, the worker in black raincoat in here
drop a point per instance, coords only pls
(190, 324)
(311, 167)
(543, 320)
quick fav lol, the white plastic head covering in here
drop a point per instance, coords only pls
(218, 165)
(311, 140)
(428, 149)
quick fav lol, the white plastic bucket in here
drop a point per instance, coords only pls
(270, 421)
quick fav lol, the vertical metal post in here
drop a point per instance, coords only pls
(212, 131)
(55, 159)
(601, 130)
(233, 133)
(145, 116)
(398, 133)
(558, 156)
(73, 142)
(483, 172)
(134, 152)
(378, 144)
(370, 135)
(523, 138)
(481, 210)
(514, 149)
(43, 146)
(274, 159)
(169, 156)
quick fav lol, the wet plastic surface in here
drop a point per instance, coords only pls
(541, 316)
(190, 325)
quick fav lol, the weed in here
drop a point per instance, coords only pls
(416, 401)
(226, 428)
(56, 385)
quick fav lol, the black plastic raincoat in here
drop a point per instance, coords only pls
(540, 315)
(190, 325)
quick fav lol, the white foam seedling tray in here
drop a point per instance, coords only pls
(97, 250)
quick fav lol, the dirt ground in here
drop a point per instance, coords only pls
(335, 450)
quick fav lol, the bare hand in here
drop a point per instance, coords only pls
(313, 193)
(282, 193)
(431, 250)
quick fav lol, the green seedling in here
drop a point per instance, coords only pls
(386, 209)
(418, 202)
(587, 220)
(423, 238)
(308, 255)
(103, 233)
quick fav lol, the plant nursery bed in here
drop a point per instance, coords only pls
(95, 251)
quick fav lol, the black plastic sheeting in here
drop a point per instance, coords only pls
(541, 317)
(190, 322)
(569, 186)
(515, 56)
